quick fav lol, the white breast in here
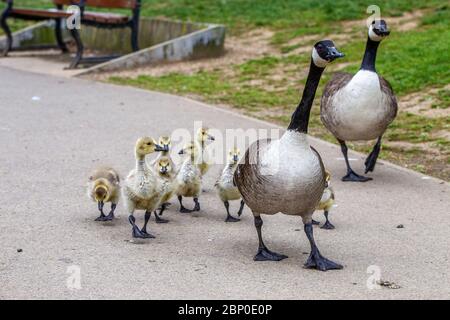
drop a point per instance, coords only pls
(359, 109)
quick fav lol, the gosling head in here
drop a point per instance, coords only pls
(378, 30)
(163, 166)
(325, 52)
(189, 149)
(147, 145)
(204, 136)
(327, 179)
(233, 156)
(101, 190)
(165, 142)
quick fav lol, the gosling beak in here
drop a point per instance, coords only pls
(334, 54)
(163, 170)
(211, 138)
(235, 158)
(158, 148)
(166, 148)
(181, 151)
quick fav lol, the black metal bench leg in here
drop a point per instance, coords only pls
(59, 37)
(79, 55)
(7, 32)
(135, 36)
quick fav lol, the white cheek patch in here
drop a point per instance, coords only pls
(373, 36)
(318, 61)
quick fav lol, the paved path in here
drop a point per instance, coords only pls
(49, 145)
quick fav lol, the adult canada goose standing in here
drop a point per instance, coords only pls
(360, 107)
(287, 175)
(142, 189)
(103, 187)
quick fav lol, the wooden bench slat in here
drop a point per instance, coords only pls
(120, 4)
(40, 13)
(109, 18)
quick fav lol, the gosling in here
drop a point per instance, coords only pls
(203, 137)
(103, 187)
(167, 177)
(326, 203)
(189, 179)
(226, 189)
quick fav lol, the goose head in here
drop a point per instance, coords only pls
(147, 145)
(163, 166)
(101, 190)
(165, 143)
(233, 156)
(189, 149)
(203, 135)
(378, 30)
(325, 52)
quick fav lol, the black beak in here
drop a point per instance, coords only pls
(333, 54)
(235, 158)
(211, 138)
(166, 148)
(181, 151)
(164, 170)
(159, 148)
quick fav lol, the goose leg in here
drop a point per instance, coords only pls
(373, 156)
(265, 254)
(229, 217)
(197, 205)
(314, 222)
(148, 214)
(110, 216)
(182, 208)
(316, 260)
(158, 219)
(241, 208)
(136, 232)
(351, 175)
(100, 208)
(327, 225)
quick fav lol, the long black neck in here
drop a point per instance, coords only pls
(370, 55)
(300, 117)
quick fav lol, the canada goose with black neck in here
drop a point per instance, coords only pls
(360, 106)
(287, 175)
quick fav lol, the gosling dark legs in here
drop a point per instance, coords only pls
(184, 209)
(316, 260)
(373, 156)
(229, 217)
(158, 219)
(142, 234)
(263, 253)
(351, 175)
(100, 208)
(241, 208)
(327, 225)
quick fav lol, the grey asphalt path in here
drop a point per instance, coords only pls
(49, 145)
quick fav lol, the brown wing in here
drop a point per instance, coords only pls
(389, 95)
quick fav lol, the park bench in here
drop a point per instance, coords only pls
(87, 17)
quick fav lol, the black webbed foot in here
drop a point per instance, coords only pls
(185, 210)
(327, 225)
(316, 261)
(197, 205)
(265, 254)
(314, 222)
(232, 219)
(158, 219)
(141, 234)
(102, 217)
(352, 176)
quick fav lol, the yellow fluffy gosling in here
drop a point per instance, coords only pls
(103, 187)
(326, 202)
(166, 175)
(226, 189)
(203, 137)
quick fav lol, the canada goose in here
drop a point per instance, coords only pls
(167, 177)
(287, 175)
(142, 189)
(103, 187)
(188, 180)
(226, 189)
(203, 136)
(360, 107)
(326, 202)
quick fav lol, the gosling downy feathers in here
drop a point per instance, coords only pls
(167, 175)
(103, 187)
(326, 203)
(226, 189)
(360, 106)
(287, 175)
(203, 137)
(189, 178)
(142, 189)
